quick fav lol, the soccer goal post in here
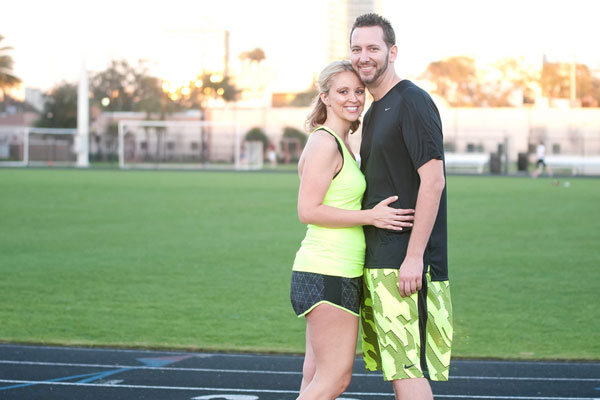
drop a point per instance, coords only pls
(183, 145)
(21, 147)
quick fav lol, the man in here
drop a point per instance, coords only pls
(406, 312)
(540, 151)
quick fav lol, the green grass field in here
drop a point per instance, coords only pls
(202, 261)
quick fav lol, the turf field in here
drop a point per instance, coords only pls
(201, 260)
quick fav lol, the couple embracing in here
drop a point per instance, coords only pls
(375, 248)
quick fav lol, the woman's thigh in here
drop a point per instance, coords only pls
(332, 333)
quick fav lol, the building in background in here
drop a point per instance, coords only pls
(35, 98)
(341, 15)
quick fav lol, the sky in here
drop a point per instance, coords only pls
(50, 40)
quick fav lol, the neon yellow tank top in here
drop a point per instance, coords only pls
(337, 251)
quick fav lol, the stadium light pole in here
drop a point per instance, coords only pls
(83, 119)
(573, 82)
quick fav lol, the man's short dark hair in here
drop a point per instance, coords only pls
(372, 19)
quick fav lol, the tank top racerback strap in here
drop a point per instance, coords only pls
(339, 145)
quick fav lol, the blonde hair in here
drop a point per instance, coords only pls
(318, 113)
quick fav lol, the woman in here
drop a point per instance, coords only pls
(326, 277)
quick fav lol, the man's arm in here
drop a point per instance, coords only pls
(428, 202)
(317, 172)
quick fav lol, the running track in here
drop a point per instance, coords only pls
(37, 372)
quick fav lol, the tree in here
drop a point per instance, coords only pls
(506, 83)
(459, 81)
(506, 79)
(455, 80)
(7, 79)
(256, 55)
(197, 93)
(293, 133)
(257, 135)
(113, 88)
(121, 87)
(305, 99)
(556, 83)
(8, 102)
(253, 71)
(148, 96)
(555, 80)
(292, 143)
(587, 85)
(60, 107)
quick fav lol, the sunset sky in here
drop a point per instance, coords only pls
(50, 39)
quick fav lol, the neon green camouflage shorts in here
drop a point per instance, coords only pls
(394, 328)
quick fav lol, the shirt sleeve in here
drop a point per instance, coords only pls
(422, 129)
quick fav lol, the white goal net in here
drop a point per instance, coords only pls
(184, 145)
(37, 146)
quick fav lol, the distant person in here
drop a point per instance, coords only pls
(243, 158)
(272, 155)
(327, 273)
(540, 152)
(406, 313)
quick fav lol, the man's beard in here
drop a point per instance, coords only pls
(378, 72)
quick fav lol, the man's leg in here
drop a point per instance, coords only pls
(402, 326)
(412, 389)
(391, 333)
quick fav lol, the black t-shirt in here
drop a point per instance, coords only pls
(401, 132)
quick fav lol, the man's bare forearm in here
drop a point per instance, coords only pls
(428, 203)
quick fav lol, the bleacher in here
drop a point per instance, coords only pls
(477, 163)
(466, 162)
(577, 165)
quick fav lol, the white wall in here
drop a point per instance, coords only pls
(576, 131)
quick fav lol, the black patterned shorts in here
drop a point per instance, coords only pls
(309, 289)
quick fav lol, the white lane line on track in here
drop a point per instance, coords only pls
(245, 371)
(158, 353)
(523, 362)
(447, 396)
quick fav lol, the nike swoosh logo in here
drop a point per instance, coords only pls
(389, 108)
(408, 366)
